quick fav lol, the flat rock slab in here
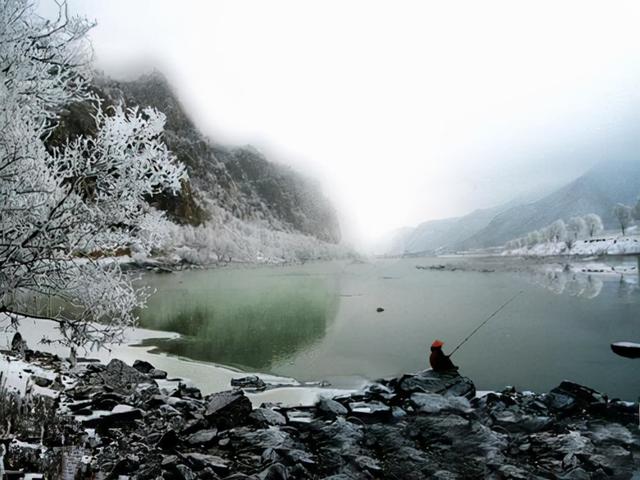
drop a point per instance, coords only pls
(443, 383)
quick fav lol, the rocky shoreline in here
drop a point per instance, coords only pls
(118, 421)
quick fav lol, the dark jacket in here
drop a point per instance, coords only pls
(439, 361)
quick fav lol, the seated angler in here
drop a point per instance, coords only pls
(438, 360)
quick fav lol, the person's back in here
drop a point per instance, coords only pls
(438, 360)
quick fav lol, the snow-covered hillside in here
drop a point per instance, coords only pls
(235, 205)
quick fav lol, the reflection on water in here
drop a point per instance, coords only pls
(573, 284)
(241, 318)
(580, 284)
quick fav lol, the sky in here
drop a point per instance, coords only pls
(405, 111)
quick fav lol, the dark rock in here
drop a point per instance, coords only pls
(121, 377)
(379, 309)
(125, 466)
(157, 374)
(203, 438)
(266, 417)
(106, 401)
(435, 403)
(142, 366)
(444, 475)
(227, 409)
(252, 382)
(373, 410)
(378, 391)
(113, 420)
(199, 461)
(561, 402)
(368, 464)
(185, 391)
(614, 458)
(276, 471)
(331, 407)
(270, 455)
(516, 422)
(84, 412)
(299, 415)
(169, 440)
(296, 456)
(18, 345)
(194, 425)
(41, 381)
(148, 472)
(169, 462)
(569, 396)
(395, 428)
(185, 473)
(267, 438)
(79, 406)
(623, 412)
(430, 381)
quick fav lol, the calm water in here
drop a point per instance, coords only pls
(319, 321)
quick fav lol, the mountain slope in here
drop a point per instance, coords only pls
(439, 235)
(597, 191)
(447, 234)
(239, 180)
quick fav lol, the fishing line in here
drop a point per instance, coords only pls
(485, 321)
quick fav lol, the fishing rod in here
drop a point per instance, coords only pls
(485, 321)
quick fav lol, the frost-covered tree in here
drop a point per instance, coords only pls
(576, 226)
(533, 238)
(557, 231)
(593, 223)
(62, 207)
(546, 234)
(624, 215)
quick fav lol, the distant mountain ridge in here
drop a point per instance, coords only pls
(597, 191)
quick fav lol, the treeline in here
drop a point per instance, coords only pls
(560, 231)
(228, 239)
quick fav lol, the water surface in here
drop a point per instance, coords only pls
(319, 321)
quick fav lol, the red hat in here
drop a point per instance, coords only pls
(437, 344)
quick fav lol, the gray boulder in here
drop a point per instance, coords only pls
(228, 409)
(331, 407)
(435, 403)
(443, 383)
(121, 377)
(266, 417)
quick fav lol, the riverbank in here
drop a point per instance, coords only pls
(108, 421)
(603, 245)
(209, 377)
